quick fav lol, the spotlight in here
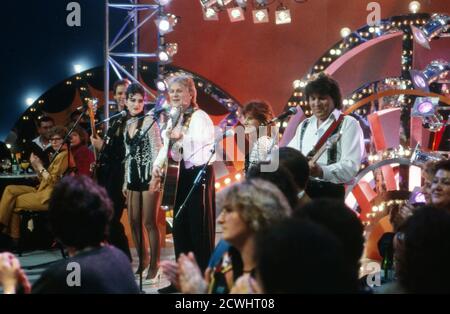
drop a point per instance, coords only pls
(210, 14)
(241, 3)
(29, 101)
(421, 79)
(260, 16)
(414, 6)
(434, 27)
(282, 15)
(426, 108)
(219, 4)
(345, 31)
(163, 2)
(236, 14)
(166, 53)
(78, 68)
(166, 23)
(161, 85)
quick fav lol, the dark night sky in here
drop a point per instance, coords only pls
(39, 49)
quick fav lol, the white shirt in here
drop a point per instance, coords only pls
(197, 141)
(350, 147)
(39, 143)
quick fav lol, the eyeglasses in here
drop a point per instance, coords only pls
(55, 139)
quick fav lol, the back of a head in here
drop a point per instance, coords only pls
(341, 221)
(281, 177)
(422, 259)
(296, 163)
(299, 256)
(79, 212)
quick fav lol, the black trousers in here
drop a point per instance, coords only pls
(194, 228)
(111, 178)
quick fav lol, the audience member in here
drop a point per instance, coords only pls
(94, 267)
(299, 256)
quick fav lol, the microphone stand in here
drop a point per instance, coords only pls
(200, 177)
(106, 139)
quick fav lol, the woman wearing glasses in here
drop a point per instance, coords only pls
(17, 198)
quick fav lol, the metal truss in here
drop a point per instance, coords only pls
(136, 15)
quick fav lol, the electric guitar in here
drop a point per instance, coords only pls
(317, 188)
(333, 139)
(92, 109)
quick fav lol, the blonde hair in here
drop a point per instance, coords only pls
(187, 82)
(259, 203)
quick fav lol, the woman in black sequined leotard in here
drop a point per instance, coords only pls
(142, 143)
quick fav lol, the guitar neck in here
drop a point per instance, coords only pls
(318, 154)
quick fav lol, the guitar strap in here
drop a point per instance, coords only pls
(332, 152)
(333, 127)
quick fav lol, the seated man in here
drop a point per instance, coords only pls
(21, 197)
(79, 204)
(40, 146)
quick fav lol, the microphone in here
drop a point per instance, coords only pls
(284, 115)
(121, 114)
(157, 112)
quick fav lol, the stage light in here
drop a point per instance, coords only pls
(166, 53)
(414, 6)
(210, 14)
(78, 68)
(282, 15)
(345, 31)
(422, 79)
(241, 3)
(161, 85)
(426, 108)
(29, 101)
(166, 23)
(219, 4)
(437, 24)
(163, 2)
(236, 14)
(260, 16)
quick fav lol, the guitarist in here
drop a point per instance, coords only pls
(110, 169)
(194, 228)
(340, 162)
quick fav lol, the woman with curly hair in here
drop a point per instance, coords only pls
(247, 208)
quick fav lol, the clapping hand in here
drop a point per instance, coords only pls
(11, 274)
(190, 276)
